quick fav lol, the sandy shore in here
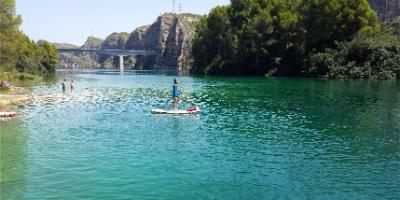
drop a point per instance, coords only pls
(16, 96)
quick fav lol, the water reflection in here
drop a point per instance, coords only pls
(13, 159)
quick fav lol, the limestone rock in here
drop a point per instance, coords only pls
(92, 43)
(170, 37)
(115, 41)
(65, 46)
(80, 60)
(136, 38)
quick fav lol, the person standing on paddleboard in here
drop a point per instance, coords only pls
(175, 94)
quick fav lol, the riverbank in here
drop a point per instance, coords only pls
(14, 96)
(18, 93)
(10, 76)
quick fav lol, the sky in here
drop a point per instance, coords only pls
(72, 21)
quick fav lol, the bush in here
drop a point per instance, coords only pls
(375, 57)
(24, 76)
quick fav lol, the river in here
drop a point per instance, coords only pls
(256, 138)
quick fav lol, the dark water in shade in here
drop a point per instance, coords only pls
(257, 138)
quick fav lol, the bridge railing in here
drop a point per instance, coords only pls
(110, 51)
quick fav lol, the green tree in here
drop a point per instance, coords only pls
(48, 56)
(17, 51)
(375, 57)
(255, 37)
(10, 36)
(327, 21)
(213, 43)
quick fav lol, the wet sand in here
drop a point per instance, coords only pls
(14, 97)
(18, 96)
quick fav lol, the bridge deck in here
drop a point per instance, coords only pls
(116, 52)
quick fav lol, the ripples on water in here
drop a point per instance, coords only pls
(256, 138)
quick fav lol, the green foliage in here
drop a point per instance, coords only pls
(10, 48)
(258, 37)
(18, 53)
(327, 21)
(11, 76)
(48, 56)
(213, 42)
(375, 57)
(115, 41)
(392, 27)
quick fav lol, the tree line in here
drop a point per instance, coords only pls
(19, 54)
(318, 38)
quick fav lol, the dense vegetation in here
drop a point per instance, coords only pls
(18, 54)
(334, 38)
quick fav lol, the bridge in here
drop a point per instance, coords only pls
(112, 52)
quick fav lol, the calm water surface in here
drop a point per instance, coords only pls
(257, 138)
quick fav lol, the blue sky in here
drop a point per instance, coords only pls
(72, 21)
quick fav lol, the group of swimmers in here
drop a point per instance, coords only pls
(64, 85)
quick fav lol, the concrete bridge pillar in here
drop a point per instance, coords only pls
(121, 63)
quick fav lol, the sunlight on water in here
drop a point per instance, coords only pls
(256, 138)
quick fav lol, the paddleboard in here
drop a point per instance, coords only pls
(7, 114)
(189, 111)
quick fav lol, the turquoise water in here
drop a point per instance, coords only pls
(256, 138)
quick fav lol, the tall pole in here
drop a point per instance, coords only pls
(173, 6)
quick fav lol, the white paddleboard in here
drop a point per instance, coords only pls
(176, 112)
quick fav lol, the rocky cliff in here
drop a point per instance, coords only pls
(90, 58)
(170, 36)
(115, 41)
(386, 9)
(92, 43)
(81, 60)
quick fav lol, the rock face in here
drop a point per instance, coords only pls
(170, 37)
(65, 46)
(90, 58)
(136, 38)
(81, 60)
(115, 41)
(92, 43)
(386, 9)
